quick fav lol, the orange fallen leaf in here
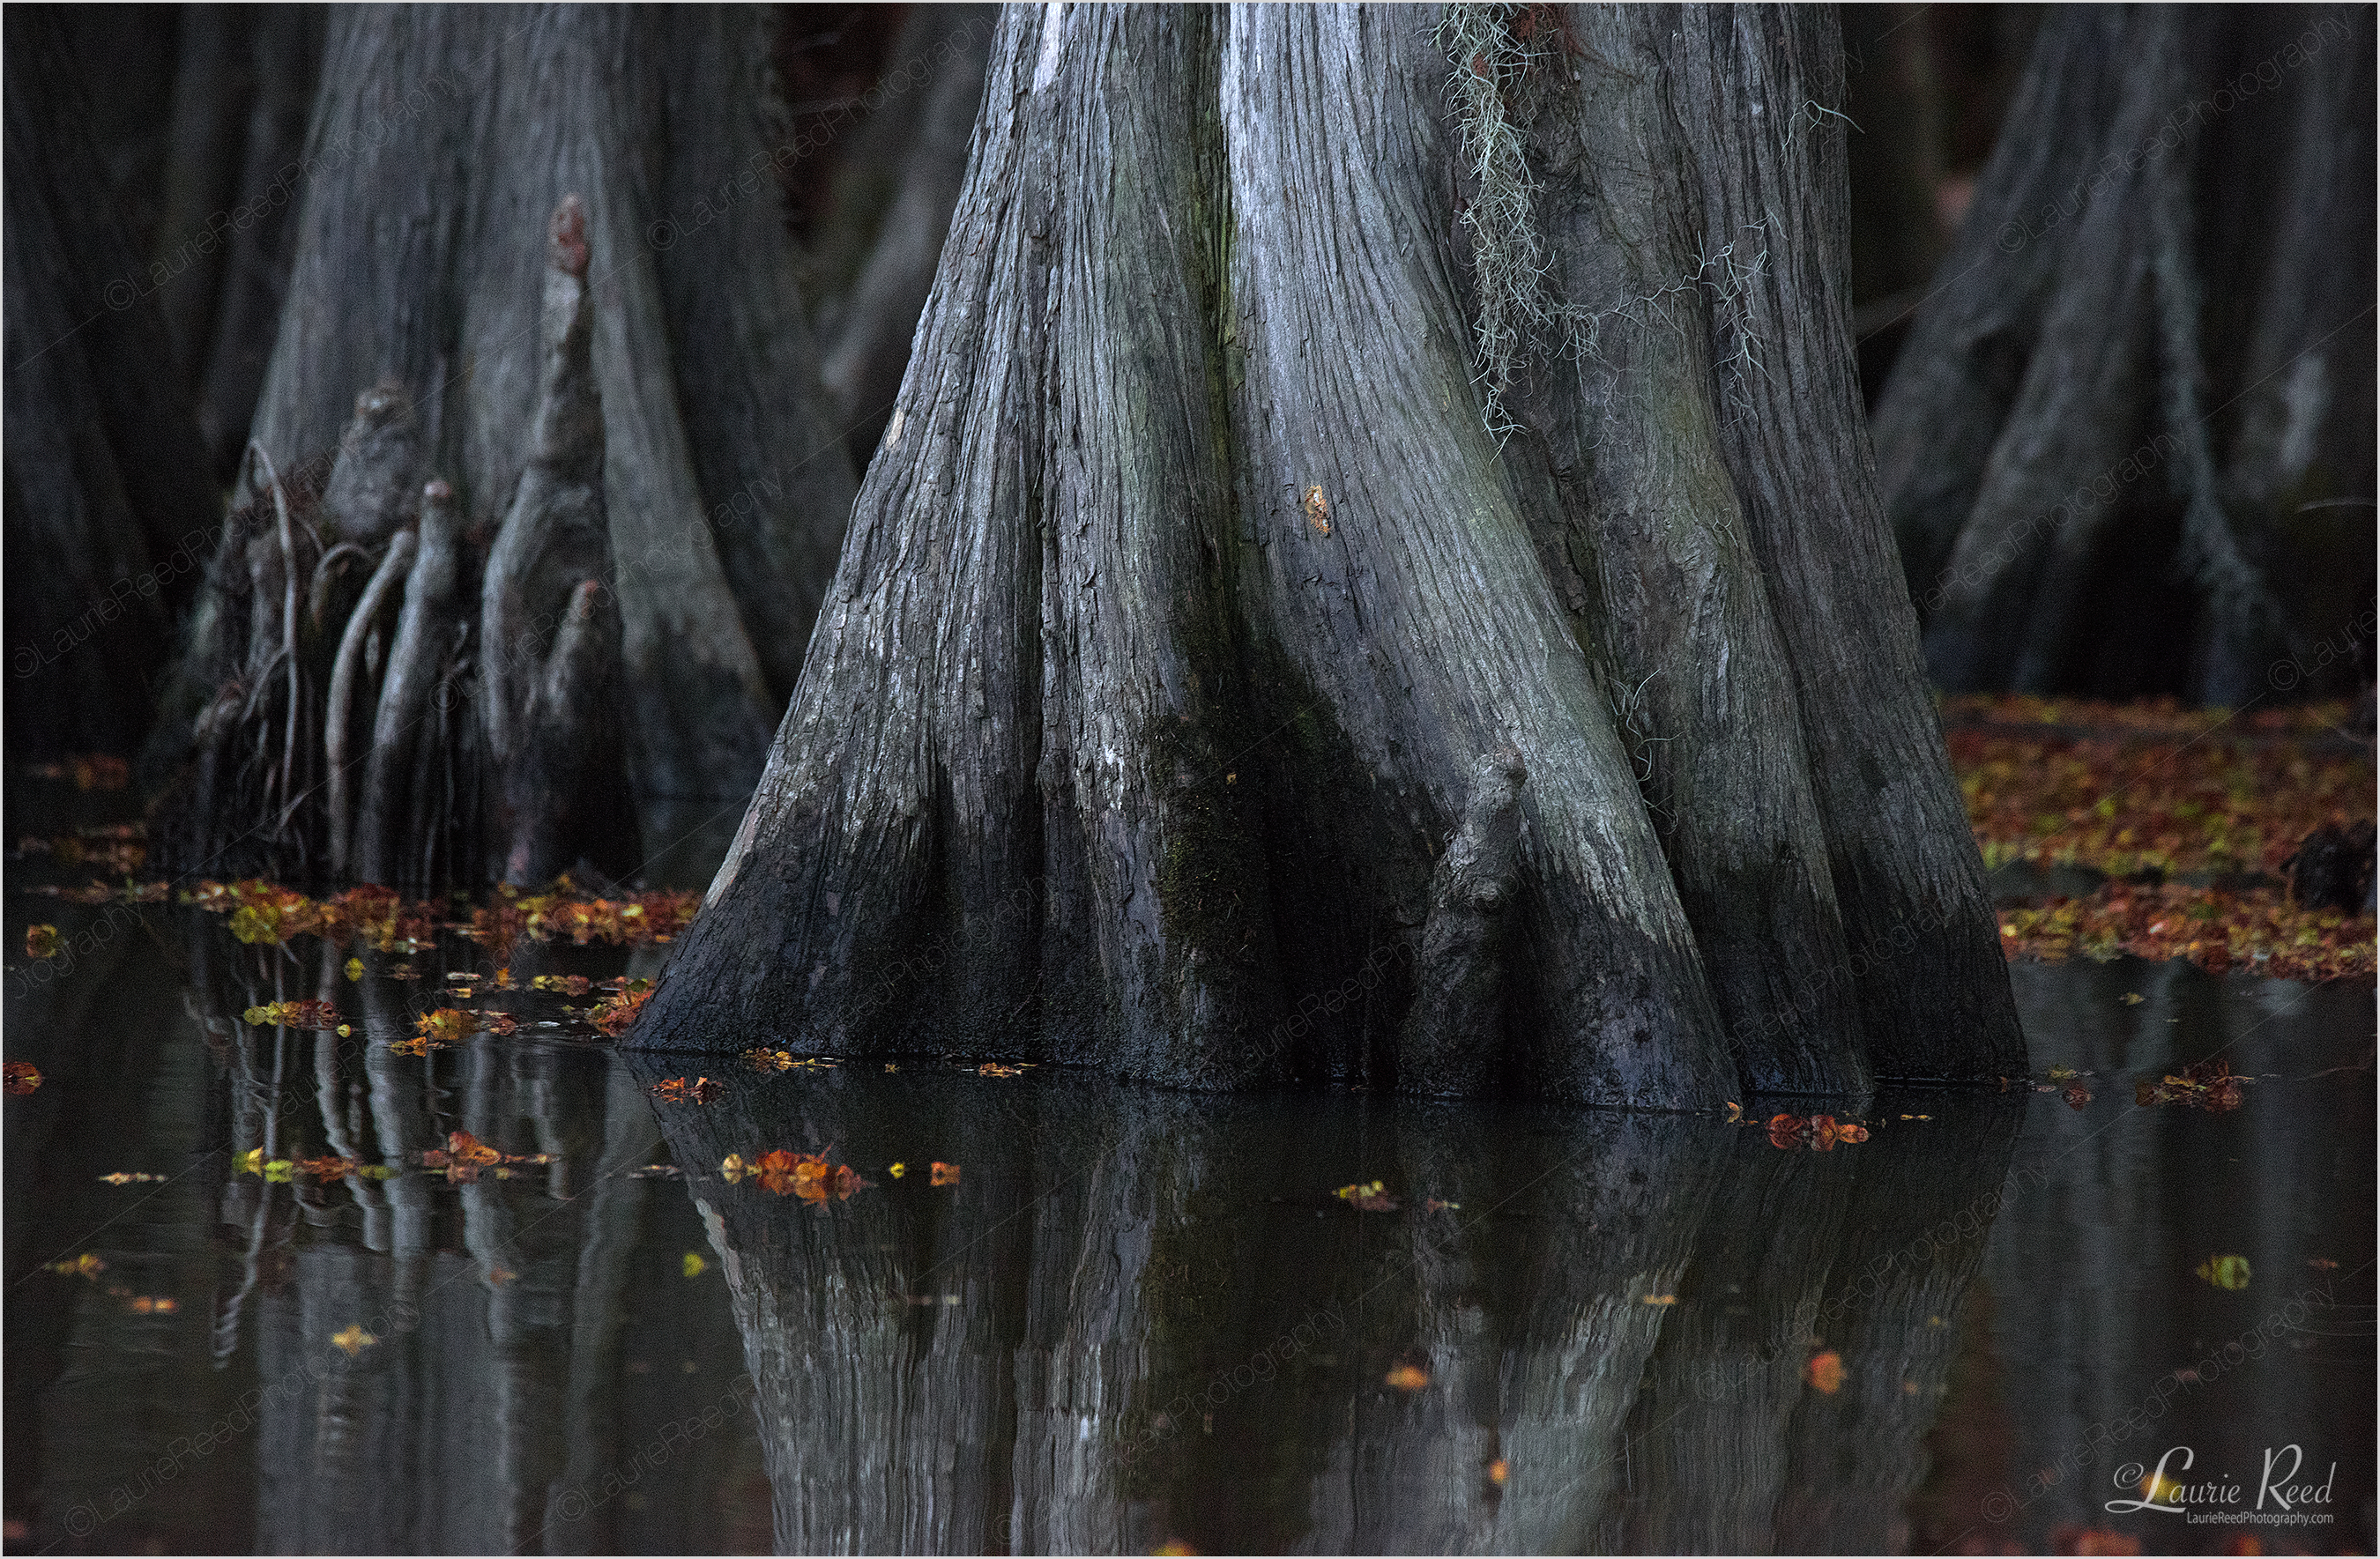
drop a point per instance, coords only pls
(1408, 1378)
(944, 1174)
(146, 1304)
(447, 1025)
(352, 1339)
(1498, 1470)
(21, 1077)
(84, 1265)
(1824, 1372)
(678, 1091)
(463, 1148)
(40, 942)
(613, 1014)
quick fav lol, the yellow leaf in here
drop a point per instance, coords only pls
(2225, 1271)
(1824, 1372)
(1660, 1298)
(355, 969)
(898, 1171)
(249, 1163)
(1408, 1377)
(694, 1266)
(352, 1340)
(732, 1168)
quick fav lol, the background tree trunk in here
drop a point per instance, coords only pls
(110, 516)
(1202, 563)
(2128, 447)
(439, 141)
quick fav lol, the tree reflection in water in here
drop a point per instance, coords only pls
(1140, 1317)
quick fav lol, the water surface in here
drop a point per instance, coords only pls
(1138, 1318)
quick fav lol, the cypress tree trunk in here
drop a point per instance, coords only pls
(1377, 522)
(2129, 446)
(688, 466)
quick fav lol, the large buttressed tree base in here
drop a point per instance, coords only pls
(1207, 694)
(2129, 446)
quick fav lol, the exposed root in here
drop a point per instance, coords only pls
(409, 714)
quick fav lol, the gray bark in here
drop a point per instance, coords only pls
(1189, 586)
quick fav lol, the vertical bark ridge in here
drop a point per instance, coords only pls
(1344, 305)
(1137, 505)
(1925, 952)
(1654, 539)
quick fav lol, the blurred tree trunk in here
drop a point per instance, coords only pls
(1375, 573)
(2128, 447)
(440, 142)
(110, 516)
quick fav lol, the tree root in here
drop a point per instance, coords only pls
(396, 799)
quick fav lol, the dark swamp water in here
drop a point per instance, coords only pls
(1142, 1319)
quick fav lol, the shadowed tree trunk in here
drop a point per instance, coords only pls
(1313, 404)
(2129, 446)
(110, 515)
(696, 462)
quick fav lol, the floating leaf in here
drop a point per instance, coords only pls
(1660, 1298)
(1498, 1470)
(775, 1170)
(19, 1076)
(2207, 1085)
(2132, 999)
(1824, 1372)
(249, 1163)
(1735, 1112)
(278, 1171)
(678, 1091)
(1367, 1197)
(2077, 1096)
(151, 1304)
(327, 1169)
(129, 1177)
(996, 1068)
(318, 1015)
(84, 1265)
(40, 942)
(465, 1149)
(945, 1174)
(613, 1014)
(354, 970)
(1818, 1132)
(898, 1171)
(2322, 1263)
(692, 1264)
(2225, 1271)
(732, 1168)
(447, 1025)
(2063, 1074)
(420, 1045)
(1409, 1378)
(564, 985)
(352, 1339)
